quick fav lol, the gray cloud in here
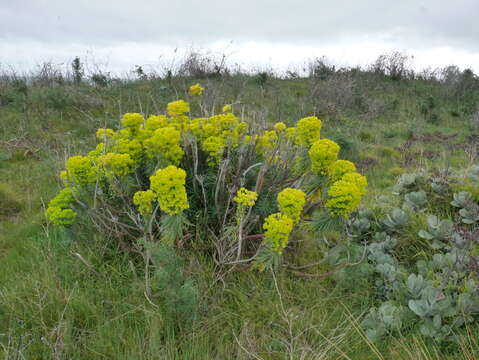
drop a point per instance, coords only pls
(408, 23)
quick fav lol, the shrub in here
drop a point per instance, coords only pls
(180, 180)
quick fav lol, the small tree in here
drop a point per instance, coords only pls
(78, 72)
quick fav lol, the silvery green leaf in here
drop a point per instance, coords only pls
(461, 199)
(419, 307)
(415, 200)
(425, 235)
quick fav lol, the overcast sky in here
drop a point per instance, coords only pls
(121, 34)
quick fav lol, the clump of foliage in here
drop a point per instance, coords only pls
(421, 257)
(215, 182)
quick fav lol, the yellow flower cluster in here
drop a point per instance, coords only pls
(168, 184)
(291, 203)
(322, 154)
(216, 132)
(115, 164)
(103, 134)
(132, 120)
(165, 143)
(80, 170)
(214, 146)
(59, 212)
(177, 108)
(226, 108)
(245, 198)
(277, 228)
(196, 90)
(308, 131)
(133, 148)
(155, 122)
(267, 142)
(359, 180)
(143, 200)
(279, 127)
(339, 168)
(345, 194)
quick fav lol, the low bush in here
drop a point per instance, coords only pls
(420, 258)
(210, 183)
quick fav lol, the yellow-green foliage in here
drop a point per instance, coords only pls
(214, 146)
(103, 134)
(168, 184)
(195, 90)
(59, 211)
(346, 193)
(322, 154)
(280, 127)
(219, 153)
(143, 200)
(291, 203)
(115, 164)
(245, 197)
(339, 168)
(133, 148)
(177, 108)
(277, 228)
(165, 143)
(267, 142)
(155, 122)
(132, 121)
(308, 130)
(81, 170)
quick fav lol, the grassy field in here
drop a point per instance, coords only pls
(70, 295)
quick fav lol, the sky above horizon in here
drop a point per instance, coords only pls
(117, 35)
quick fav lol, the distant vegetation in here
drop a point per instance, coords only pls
(248, 260)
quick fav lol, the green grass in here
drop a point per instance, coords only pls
(71, 295)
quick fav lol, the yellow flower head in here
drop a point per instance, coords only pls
(103, 134)
(245, 197)
(177, 108)
(277, 228)
(226, 108)
(59, 212)
(99, 150)
(143, 200)
(280, 126)
(165, 143)
(155, 122)
(291, 134)
(195, 90)
(116, 164)
(80, 170)
(359, 180)
(267, 142)
(340, 168)
(308, 130)
(132, 121)
(168, 184)
(344, 197)
(291, 203)
(322, 154)
(132, 148)
(214, 146)
(60, 217)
